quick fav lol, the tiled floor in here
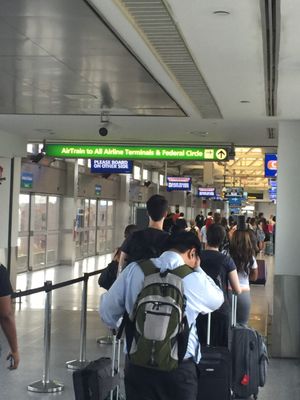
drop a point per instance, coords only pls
(283, 377)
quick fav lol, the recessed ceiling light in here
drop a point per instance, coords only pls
(245, 101)
(221, 12)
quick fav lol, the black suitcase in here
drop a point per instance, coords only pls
(249, 359)
(262, 273)
(214, 371)
(99, 378)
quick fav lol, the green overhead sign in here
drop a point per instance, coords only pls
(137, 152)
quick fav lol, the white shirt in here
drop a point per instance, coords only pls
(202, 295)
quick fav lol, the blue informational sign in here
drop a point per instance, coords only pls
(273, 193)
(235, 201)
(111, 166)
(26, 180)
(270, 165)
(273, 183)
(178, 183)
(208, 192)
(98, 189)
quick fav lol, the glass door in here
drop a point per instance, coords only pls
(53, 229)
(23, 233)
(38, 239)
(80, 229)
(92, 227)
(101, 226)
(105, 226)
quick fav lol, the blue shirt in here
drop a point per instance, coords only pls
(202, 295)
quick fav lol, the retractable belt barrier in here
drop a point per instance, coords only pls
(46, 385)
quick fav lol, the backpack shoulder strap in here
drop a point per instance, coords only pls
(182, 271)
(147, 267)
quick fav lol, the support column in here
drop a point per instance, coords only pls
(122, 209)
(208, 173)
(68, 216)
(9, 195)
(286, 318)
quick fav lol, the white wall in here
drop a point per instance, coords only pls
(12, 145)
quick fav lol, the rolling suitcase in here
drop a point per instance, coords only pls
(214, 371)
(262, 273)
(100, 379)
(249, 359)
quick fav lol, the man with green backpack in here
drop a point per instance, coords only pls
(163, 297)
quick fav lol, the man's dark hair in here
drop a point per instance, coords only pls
(130, 229)
(215, 235)
(210, 213)
(157, 206)
(183, 241)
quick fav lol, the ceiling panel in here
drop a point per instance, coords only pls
(228, 50)
(50, 50)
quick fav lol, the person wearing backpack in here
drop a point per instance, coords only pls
(221, 268)
(148, 242)
(163, 297)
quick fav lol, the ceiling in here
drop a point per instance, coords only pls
(166, 71)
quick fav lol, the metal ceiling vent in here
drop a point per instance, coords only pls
(155, 22)
(270, 10)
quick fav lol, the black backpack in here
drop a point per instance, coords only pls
(108, 275)
(142, 247)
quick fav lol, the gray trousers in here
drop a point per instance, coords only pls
(243, 307)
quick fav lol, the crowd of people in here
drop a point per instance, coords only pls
(222, 256)
(219, 260)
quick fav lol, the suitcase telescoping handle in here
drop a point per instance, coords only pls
(115, 363)
(208, 328)
(233, 309)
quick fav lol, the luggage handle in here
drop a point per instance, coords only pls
(115, 360)
(208, 329)
(116, 352)
(233, 309)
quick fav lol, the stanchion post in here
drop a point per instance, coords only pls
(19, 297)
(82, 362)
(46, 385)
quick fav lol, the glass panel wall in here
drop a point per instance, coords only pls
(39, 231)
(53, 227)
(38, 238)
(92, 227)
(105, 226)
(23, 235)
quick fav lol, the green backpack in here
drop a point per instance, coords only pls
(160, 329)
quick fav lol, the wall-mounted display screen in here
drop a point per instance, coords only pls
(178, 183)
(233, 191)
(206, 192)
